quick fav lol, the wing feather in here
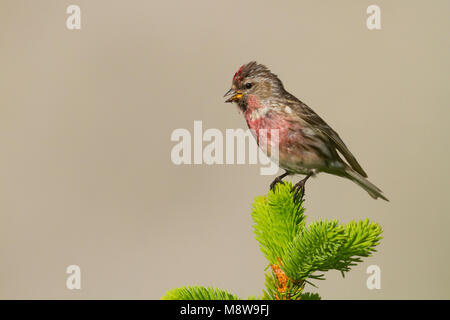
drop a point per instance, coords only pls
(317, 123)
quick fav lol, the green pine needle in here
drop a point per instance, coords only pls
(198, 293)
(278, 219)
(305, 250)
(310, 296)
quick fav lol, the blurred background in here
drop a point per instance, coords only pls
(86, 117)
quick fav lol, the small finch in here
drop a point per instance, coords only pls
(306, 144)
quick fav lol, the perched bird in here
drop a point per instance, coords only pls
(306, 143)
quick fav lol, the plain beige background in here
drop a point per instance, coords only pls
(86, 118)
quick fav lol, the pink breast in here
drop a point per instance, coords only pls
(263, 121)
(290, 136)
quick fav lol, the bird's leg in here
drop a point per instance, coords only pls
(301, 185)
(278, 180)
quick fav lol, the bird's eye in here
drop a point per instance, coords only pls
(248, 85)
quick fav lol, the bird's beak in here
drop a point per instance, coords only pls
(233, 94)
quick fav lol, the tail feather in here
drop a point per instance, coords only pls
(371, 189)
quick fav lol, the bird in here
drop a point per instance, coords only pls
(307, 145)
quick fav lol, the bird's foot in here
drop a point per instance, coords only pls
(275, 182)
(299, 190)
(299, 187)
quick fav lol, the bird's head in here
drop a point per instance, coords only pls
(253, 79)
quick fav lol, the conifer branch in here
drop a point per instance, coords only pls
(198, 293)
(297, 253)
